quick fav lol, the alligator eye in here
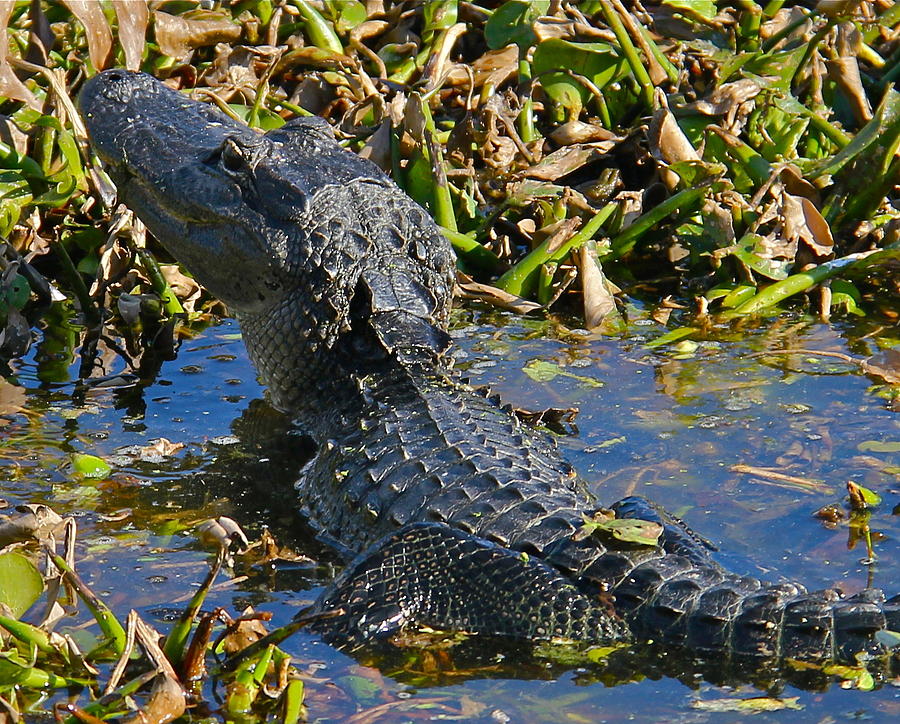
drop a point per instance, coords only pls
(231, 157)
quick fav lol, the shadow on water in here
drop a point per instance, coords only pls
(671, 425)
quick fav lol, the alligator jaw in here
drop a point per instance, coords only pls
(164, 152)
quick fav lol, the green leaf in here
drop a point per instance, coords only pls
(870, 497)
(749, 250)
(15, 193)
(673, 335)
(511, 23)
(543, 371)
(705, 9)
(845, 295)
(266, 119)
(20, 583)
(553, 59)
(360, 688)
(738, 295)
(878, 446)
(346, 14)
(90, 466)
(627, 530)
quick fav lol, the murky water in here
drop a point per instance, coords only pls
(669, 425)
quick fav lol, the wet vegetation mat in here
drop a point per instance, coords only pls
(700, 192)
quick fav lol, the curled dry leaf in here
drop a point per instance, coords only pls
(378, 146)
(247, 630)
(567, 159)
(99, 36)
(224, 532)
(167, 702)
(844, 71)
(159, 449)
(10, 85)
(668, 143)
(492, 69)
(33, 522)
(726, 97)
(576, 131)
(186, 288)
(492, 295)
(599, 302)
(178, 35)
(802, 221)
(133, 17)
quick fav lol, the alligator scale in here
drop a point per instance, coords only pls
(463, 517)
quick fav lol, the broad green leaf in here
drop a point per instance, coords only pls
(360, 688)
(555, 58)
(870, 497)
(845, 295)
(748, 249)
(15, 193)
(858, 675)
(20, 583)
(346, 14)
(705, 9)
(541, 371)
(90, 466)
(266, 119)
(511, 23)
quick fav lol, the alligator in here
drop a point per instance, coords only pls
(452, 513)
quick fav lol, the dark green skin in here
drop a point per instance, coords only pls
(342, 286)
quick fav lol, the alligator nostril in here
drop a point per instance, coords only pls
(115, 75)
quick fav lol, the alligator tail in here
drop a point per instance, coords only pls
(676, 601)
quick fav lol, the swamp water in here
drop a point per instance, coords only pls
(670, 424)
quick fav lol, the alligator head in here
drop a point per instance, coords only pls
(313, 248)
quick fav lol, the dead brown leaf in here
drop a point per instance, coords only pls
(492, 69)
(99, 36)
(33, 522)
(246, 630)
(178, 35)
(159, 449)
(186, 288)
(492, 295)
(724, 98)
(802, 221)
(566, 160)
(10, 85)
(576, 131)
(133, 17)
(599, 302)
(844, 71)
